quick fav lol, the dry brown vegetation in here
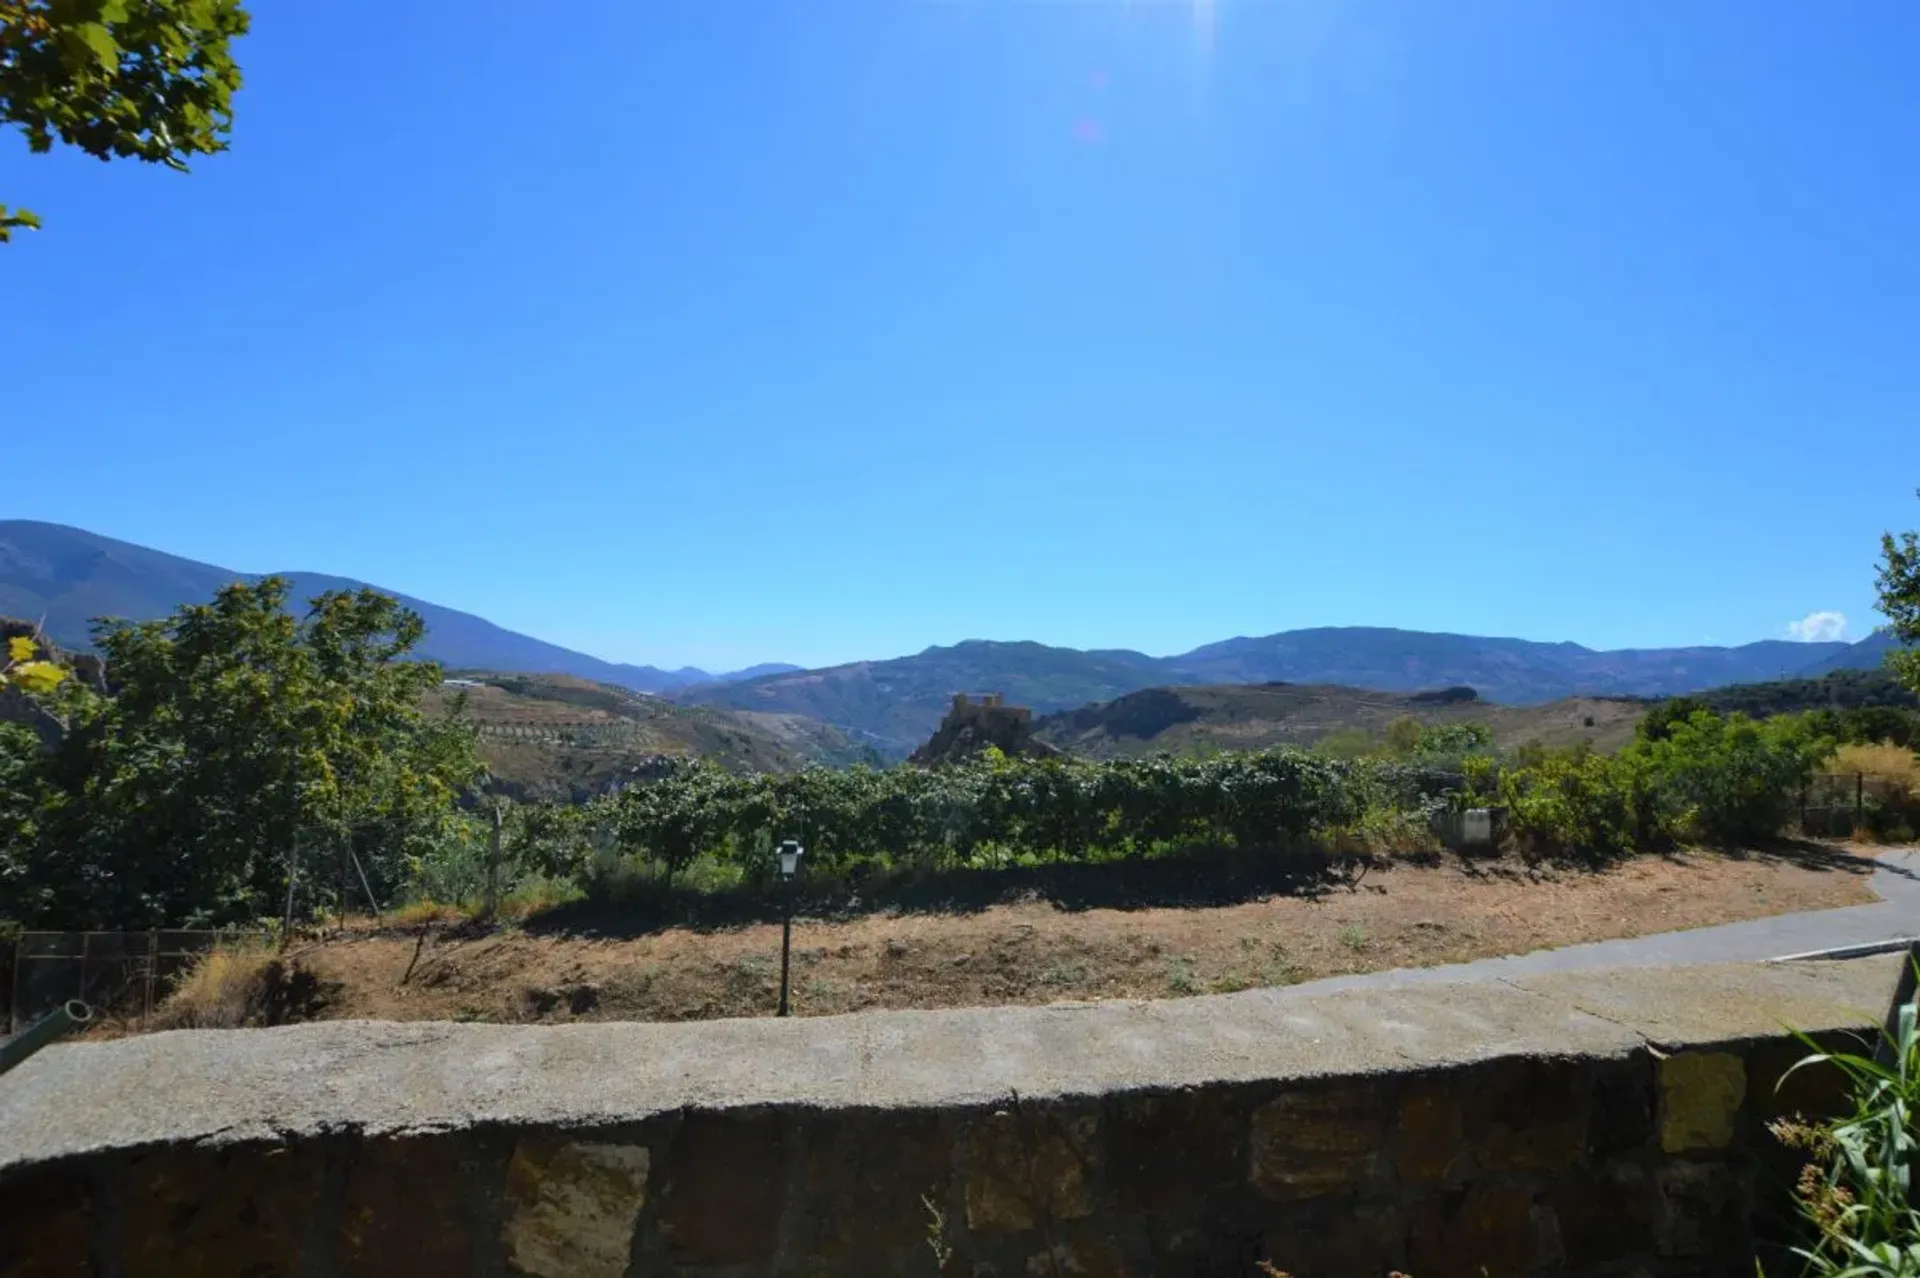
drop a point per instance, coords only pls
(248, 984)
(1032, 951)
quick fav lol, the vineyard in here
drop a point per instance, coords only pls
(992, 813)
(1703, 778)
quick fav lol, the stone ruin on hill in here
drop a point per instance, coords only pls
(971, 726)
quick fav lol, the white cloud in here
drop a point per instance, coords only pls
(1819, 627)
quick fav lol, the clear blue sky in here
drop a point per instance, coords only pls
(803, 330)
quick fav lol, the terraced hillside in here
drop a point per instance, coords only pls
(558, 734)
(1208, 718)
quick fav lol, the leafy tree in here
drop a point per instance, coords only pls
(235, 746)
(1899, 585)
(1403, 736)
(151, 80)
(1657, 723)
(1730, 780)
(28, 663)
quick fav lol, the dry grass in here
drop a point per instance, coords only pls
(241, 985)
(1403, 915)
(223, 990)
(1895, 764)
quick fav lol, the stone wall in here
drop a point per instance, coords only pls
(1581, 1124)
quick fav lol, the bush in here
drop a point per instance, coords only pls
(1594, 805)
(1729, 780)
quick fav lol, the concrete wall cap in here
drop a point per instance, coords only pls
(215, 1086)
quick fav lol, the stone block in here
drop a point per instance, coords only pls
(1525, 1114)
(1427, 1133)
(1704, 1213)
(1079, 1253)
(406, 1210)
(1340, 1242)
(1700, 1097)
(1621, 1118)
(233, 1211)
(1606, 1215)
(1026, 1170)
(1165, 1152)
(46, 1227)
(1488, 1231)
(1318, 1140)
(866, 1175)
(724, 1188)
(572, 1206)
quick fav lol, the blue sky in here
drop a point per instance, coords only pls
(781, 329)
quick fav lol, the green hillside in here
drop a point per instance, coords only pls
(1208, 719)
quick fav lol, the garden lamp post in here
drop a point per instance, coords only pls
(789, 853)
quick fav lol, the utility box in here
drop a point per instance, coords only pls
(1471, 830)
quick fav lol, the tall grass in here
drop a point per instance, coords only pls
(225, 988)
(1856, 1191)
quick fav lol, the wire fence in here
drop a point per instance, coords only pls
(1839, 805)
(121, 973)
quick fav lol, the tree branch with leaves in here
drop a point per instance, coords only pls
(149, 80)
(1899, 586)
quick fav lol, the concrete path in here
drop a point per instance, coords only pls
(1895, 916)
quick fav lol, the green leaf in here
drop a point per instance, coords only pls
(106, 50)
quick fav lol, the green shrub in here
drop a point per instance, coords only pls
(1594, 805)
(1729, 780)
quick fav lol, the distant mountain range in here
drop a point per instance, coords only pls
(896, 704)
(65, 577)
(68, 576)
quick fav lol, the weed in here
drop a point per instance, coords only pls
(752, 970)
(1354, 937)
(1062, 971)
(239, 985)
(422, 912)
(1853, 1192)
(937, 1233)
(218, 991)
(1180, 974)
(1279, 971)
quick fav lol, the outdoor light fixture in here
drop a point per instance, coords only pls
(789, 853)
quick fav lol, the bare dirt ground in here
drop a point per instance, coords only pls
(1032, 951)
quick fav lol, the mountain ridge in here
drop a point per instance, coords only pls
(64, 577)
(68, 575)
(897, 702)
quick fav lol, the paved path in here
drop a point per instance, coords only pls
(1895, 916)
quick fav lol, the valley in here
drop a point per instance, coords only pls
(66, 576)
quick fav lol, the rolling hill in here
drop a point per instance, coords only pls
(896, 704)
(1205, 719)
(65, 577)
(68, 576)
(559, 735)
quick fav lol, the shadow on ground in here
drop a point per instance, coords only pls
(1226, 877)
(1197, 880)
